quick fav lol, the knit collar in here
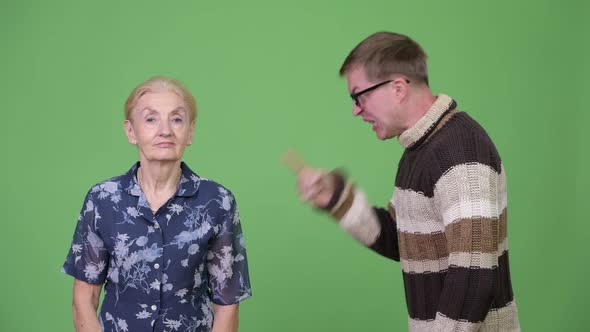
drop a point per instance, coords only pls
(416, 134)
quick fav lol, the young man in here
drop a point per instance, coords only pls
(446, 221)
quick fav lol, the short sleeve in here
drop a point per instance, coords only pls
(227, 264)
(87, 258)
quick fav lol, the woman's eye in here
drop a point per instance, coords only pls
(177, 120)
(150, 120)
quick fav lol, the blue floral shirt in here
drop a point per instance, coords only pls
(160, 272)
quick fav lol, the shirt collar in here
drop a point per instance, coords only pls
(188, 185)
(419, 132)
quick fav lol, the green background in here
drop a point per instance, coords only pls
(264, 74)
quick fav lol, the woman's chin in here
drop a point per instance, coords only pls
(164, 157)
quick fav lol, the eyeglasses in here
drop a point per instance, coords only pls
(355, 96)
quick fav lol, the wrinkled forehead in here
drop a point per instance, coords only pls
(161, 100)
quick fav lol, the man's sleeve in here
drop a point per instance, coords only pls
(372, 226)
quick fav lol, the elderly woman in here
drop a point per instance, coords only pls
(166, 243)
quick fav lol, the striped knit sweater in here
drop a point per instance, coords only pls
(446, 223)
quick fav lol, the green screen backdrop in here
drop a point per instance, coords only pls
(264, 74)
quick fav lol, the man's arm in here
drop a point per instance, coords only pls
(372, 226)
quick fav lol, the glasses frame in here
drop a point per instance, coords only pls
(355, 96)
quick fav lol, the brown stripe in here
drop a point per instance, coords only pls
(476, 234)
(346, 204)
(421, 247)
(503, 225)
(465, 235)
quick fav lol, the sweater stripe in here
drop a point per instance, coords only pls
(484, 196)
(462, 259)
(459, 238)
(360, 220)
(504, 319)
(427, 293)
(415, 212)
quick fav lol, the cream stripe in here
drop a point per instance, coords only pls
(470, 190)
(461, 259)
(503, 246)
(414, 212)
(360, 220)
(504, 319)
(441, 323)
(433, 266)
(474, 259)
(413, 134)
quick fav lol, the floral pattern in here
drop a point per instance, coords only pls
(160, 272)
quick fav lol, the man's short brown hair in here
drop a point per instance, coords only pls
(384, 54)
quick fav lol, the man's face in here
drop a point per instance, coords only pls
(380, 107)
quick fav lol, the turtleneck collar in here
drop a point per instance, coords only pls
(416, 134)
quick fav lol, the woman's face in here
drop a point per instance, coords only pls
(160, 125)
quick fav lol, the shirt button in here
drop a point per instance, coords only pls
(156, 266)
(154, 307)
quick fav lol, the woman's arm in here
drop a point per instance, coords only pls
(84, 306)
(225, 318)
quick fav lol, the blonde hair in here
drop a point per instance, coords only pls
(384, 54)
(157, 84)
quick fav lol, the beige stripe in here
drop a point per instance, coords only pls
(360, 220)
(474, 259)
(415, 213)
(413, 134)
(432, 266)
(504, 319)
(470, 190)
(391, 210)
(441, 323)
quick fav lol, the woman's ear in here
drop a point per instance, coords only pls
(129, 132)
(192, 133)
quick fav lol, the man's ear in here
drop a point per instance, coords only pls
(400, 87)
